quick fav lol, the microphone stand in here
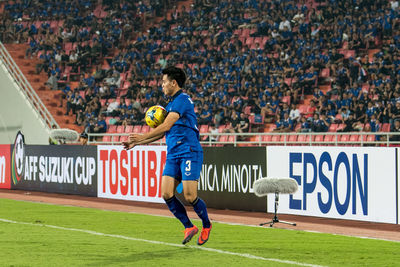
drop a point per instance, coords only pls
(275, 219)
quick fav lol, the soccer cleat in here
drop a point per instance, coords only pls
(204, 235)
(189, 233)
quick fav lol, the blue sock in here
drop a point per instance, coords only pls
(200, 208)
(177, 208)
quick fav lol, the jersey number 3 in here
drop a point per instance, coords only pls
(188, 166)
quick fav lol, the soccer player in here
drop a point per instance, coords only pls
(184, 153)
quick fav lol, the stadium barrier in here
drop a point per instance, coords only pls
(353, 183)
(263, 139)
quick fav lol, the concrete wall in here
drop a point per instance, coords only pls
(16, 113)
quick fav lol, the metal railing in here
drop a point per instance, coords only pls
(263, 139)
(20, 79)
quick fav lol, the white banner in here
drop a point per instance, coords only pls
(131, 175)
(356, 183)
(398, 186)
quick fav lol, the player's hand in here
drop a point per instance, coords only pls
(128, 145)
(135, 138)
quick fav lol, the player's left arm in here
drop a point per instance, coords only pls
(169, 121)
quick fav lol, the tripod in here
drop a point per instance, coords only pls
(275, 219)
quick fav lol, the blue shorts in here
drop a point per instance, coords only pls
(186, 168)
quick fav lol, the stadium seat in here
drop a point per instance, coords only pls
(344, 138)
(319, 138)
(266, 138)
(293, 138)
(203, 130)
(107, 138)
(385, 127)
(124, 138)
(223, 138)
(276, 138)
(129, 129)
(341, 126)
(303, 109)
(115, 139)
(231, 138)
(145, 129)
(303, 139)
(112, 129)
(333, 127)
(355, 138)
(120, 129)
(328, 139)
(286, 99)
(221, 128)
(137, 128)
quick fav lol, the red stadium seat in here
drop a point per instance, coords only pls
(231, 138)
(344, 138)
(223, 138)
(293, 138)
(319, 138)
(120, 129)
(329, 138)
(266, 138)
(124, 138)
(333, 127)
(385, 127)
(115, 139)
(203, 130)
(276, 138)
(355, 138)
(371, 138)
(145, 129)
(129, 129)
(137, 128)
(221, 128)
(303, 138)
(112, 129)
(107, 138)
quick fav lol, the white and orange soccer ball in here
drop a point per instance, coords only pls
(155, 115)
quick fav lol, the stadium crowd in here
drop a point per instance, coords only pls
(303, 65)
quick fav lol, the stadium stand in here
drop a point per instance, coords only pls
(252, 57)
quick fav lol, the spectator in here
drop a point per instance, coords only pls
(294, 114)
(305, 125)
(395, 129)
(100, 126)
(233, 124)
(83, 138)
(244, 124)
(213, 131)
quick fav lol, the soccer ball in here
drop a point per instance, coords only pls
(155, 115)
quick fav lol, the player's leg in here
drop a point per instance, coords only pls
(168, 187)
(191, 168)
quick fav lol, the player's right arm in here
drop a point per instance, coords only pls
(130, 144)
(169, 121)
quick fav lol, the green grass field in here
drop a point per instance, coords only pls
(49, 235)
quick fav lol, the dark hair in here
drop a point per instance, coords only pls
(176, 74)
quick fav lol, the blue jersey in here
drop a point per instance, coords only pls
(183, 137)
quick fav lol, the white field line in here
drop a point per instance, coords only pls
(222, 222)
(244, 255)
